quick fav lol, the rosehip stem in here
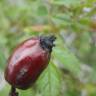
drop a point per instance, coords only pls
(13, 92)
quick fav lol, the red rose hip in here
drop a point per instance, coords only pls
(28, 60)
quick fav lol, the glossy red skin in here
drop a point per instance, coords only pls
(26, 64)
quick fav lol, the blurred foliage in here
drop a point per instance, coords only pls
(72, 70)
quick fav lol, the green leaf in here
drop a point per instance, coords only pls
(42, 11)
(2, 59)
(49, 83)
(28, 92)
(67, 59)
(65, 2)
(5, 90)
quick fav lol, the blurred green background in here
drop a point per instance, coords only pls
(72, 69)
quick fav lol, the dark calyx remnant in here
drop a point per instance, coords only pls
(47, 42)
(13, 92)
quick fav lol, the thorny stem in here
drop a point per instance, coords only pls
(13, 92)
